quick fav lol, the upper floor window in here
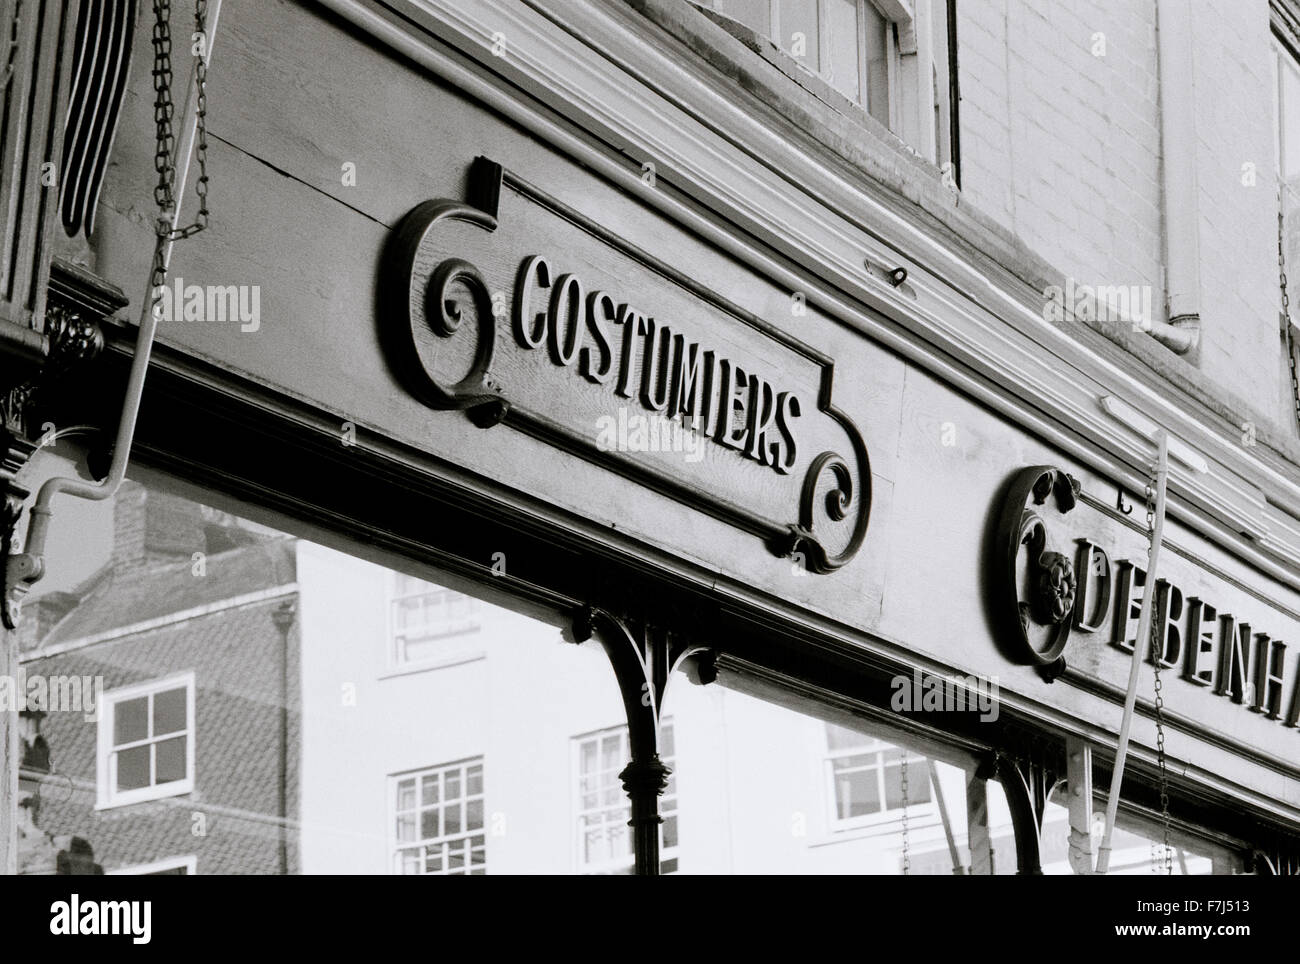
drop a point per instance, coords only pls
(1286, 112)
(439, 821)
(146, 741)
(423, 616)
(893, 57)
(866, 777)
(604, 838)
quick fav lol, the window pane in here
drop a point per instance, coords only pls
(670, 832)
(799, 35)
(594, 846)
(857, 793)
(843, 68)
(406, 795)
(364, 780)
(433, 859)
(429, 824)
(474, 815)
(456, 859)
(1137, 846)
(133, 767)
(735, 733)
(611, 752)
(1290, 134)
(875, 29)
(406, 830)
(170, 761)
(409, 861)
(169, 714)
(131, 720)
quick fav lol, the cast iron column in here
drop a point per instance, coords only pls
(643, 658)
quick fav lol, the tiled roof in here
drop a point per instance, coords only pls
(115, 600)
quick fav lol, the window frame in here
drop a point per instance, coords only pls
(395, 846)
(886, 817)
(106, 797)
(934, 99)
(458, 652)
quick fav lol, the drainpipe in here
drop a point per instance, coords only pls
(1179, 186)
(26, 569)
(283, 617)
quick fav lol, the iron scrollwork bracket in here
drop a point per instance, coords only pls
(644, 658)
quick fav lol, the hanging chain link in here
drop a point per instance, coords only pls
(907, 856)
(1286, 307)
(165, 139)
(1157, 653)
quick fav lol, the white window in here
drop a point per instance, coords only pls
(146, 742)
(1286, 113)
(428, 623)
(604, 837)
(171, 867)
(438, 822)
(893, 57)
(865, 777)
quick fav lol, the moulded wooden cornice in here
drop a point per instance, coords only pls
(800, 218)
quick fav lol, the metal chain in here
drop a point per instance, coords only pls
(907, 857)
(1157, 653)
(165, 140)
(1286, 306)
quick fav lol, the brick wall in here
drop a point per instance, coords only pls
(1239, 285)
(235, 658)
(1061, 144)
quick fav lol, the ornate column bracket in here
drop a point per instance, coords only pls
(644, 657)
(1027, 782)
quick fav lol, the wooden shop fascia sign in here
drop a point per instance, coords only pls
(516, 309)
(1052, 580)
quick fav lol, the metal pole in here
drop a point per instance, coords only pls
(957, 867)
(41, 513)
(1140, 646)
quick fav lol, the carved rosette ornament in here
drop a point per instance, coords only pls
(1034, 584)
(519, 310)
(1054, 589)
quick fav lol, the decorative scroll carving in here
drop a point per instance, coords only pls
(621, 337)
(836, 504)
(444, 312)
(1045, 595)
